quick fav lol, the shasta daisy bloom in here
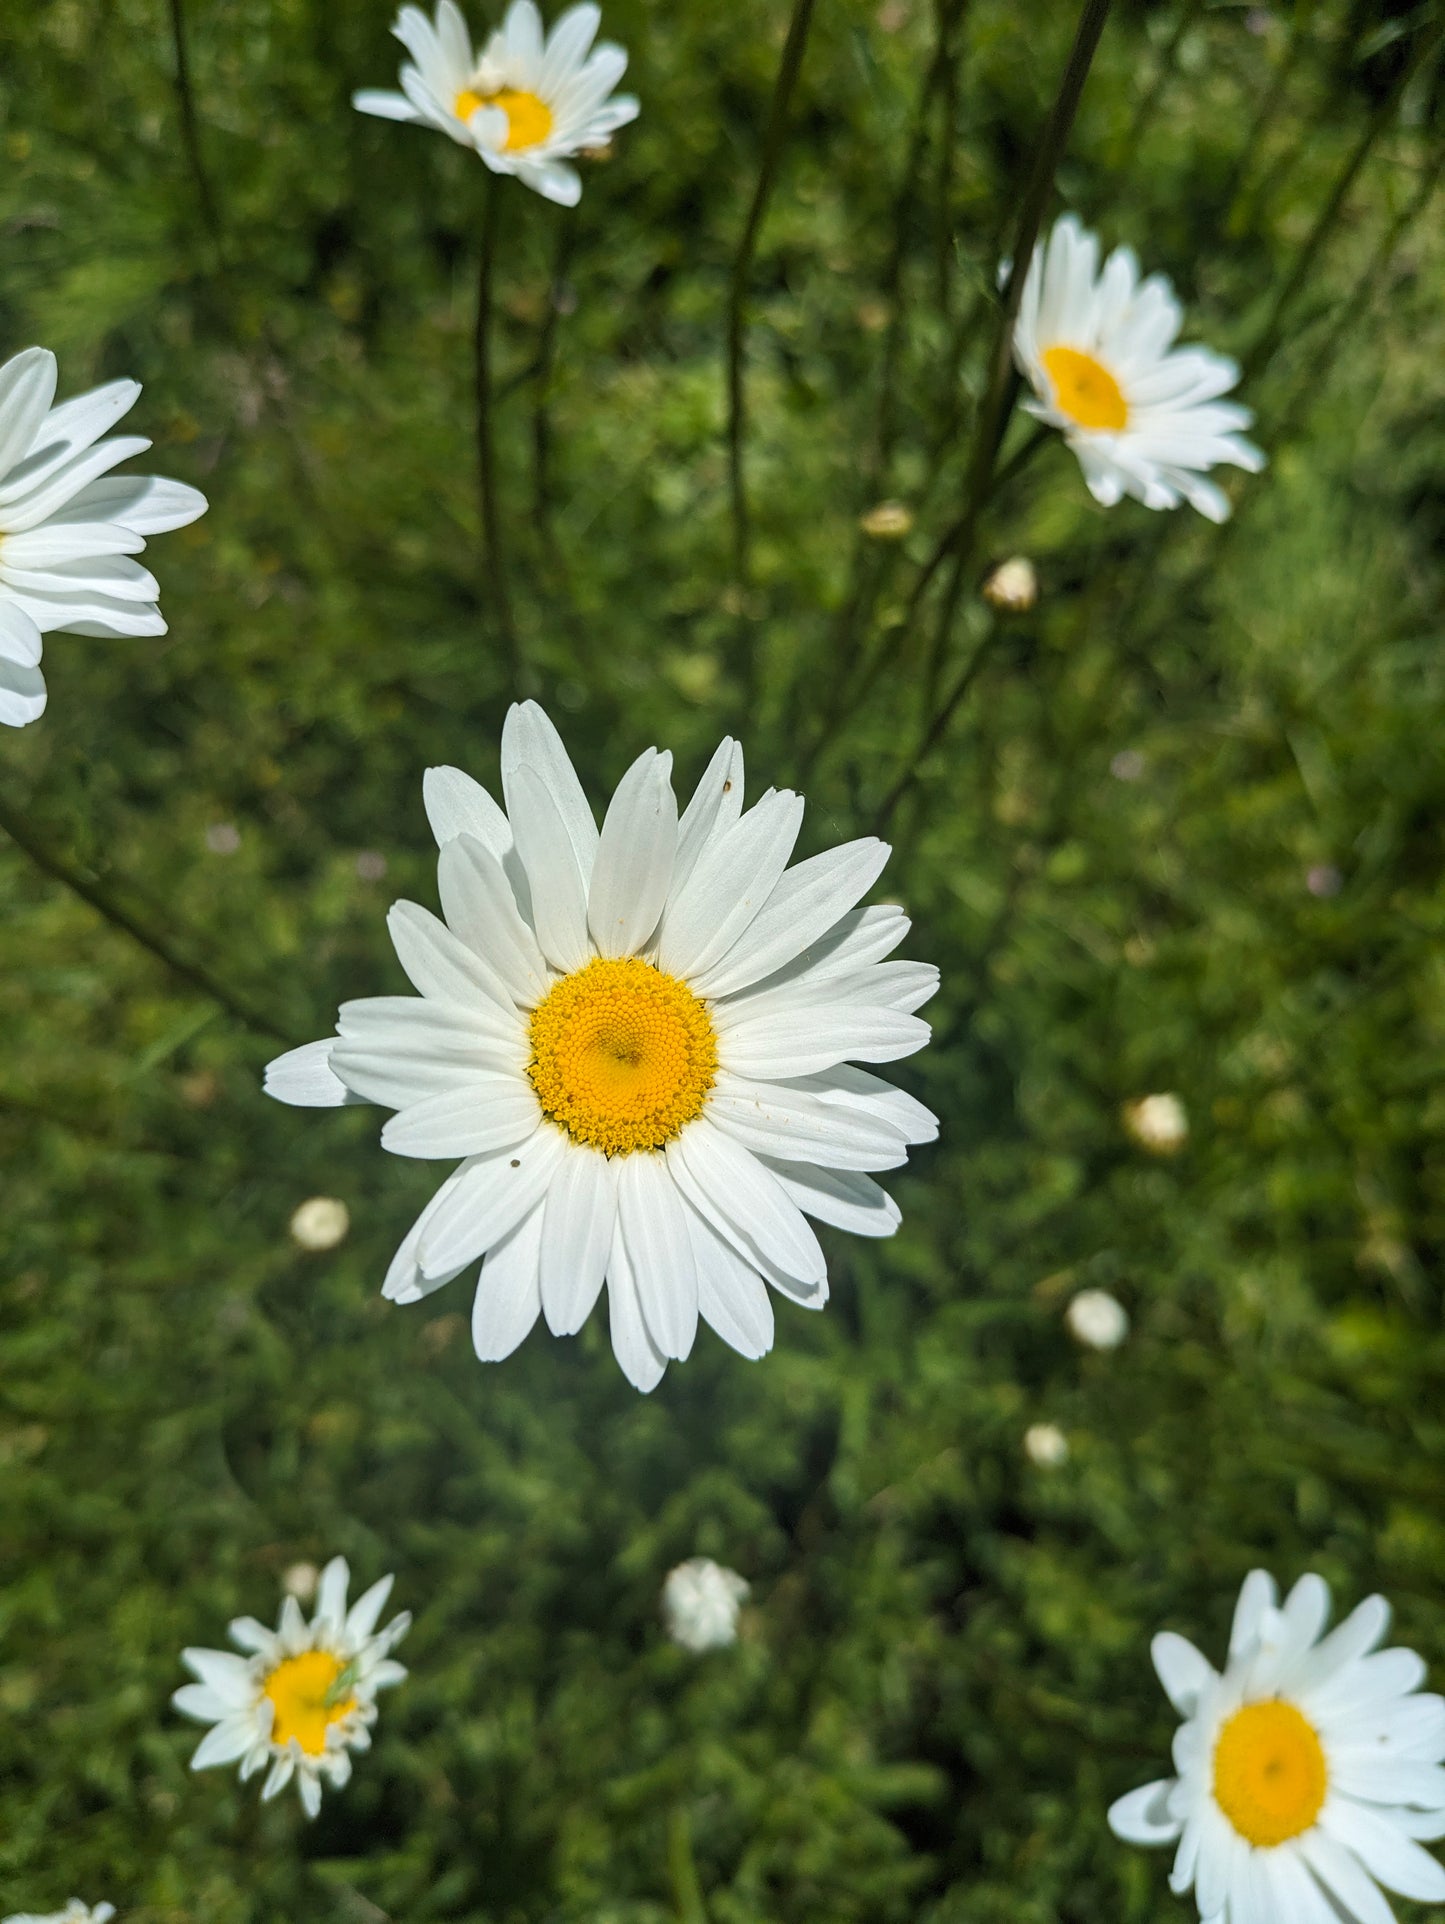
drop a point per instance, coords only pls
(1144, 417)
(525, 103)
(700, 1604)
(74, 1913)
(304, 1695)
(1308, 1770)
(636, 1046)
(69, 529)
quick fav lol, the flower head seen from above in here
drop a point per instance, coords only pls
(304, 1695)
(526, 103)
(700, 1604)
(1308, 1770)
(636, 1045)
(1144, 417)
(74, 1913)
(69, 528)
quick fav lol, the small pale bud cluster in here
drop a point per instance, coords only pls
(700, 1604)
(1012, 588)
(889, 521)
(1046, 1445)
(1097, 1320)
(320, 1223)
(1159, 1123)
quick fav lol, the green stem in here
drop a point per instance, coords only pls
(1154, 93)
(96, 896)
(542, 382)
(788, 70)
(493, 562)
(682, 1868)
(190, 129)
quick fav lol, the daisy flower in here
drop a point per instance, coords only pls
(1307, 1771)
(637, 1043)
(68, 527)
(526, 103)
(74, 1913)
(700, 1604)
(304, 1695)
(1144, 417)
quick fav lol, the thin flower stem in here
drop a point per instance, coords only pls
(788, 70)
(96, 896)
(1232, 195)
(1269, 336)
(542, 381)
(190, 129)
(949, 14)
(682, 1868)
(493, 564)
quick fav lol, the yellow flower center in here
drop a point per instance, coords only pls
(1085, 390)
(1269, 1773)
(308, 1695)
(529, 119)
(622, 1055)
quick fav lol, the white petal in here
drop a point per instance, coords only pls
(808, 901)
(800, 1125)
(1342, 1874)
(493, 1195)
(228, 1675)
(1360, 1632)
(456, 805)
(310, 1789)
(248, 1633)
(734, 876)
(642, 1363)
(405, 1282)
(1142, 1817)
(716, 803)
(577, 1230)
(22, 694)
(279, 1776)
(744, 1201)
(480, 906)
(224, 1744)
(633, 870)
(485, 1112)
(331, 1594)
(1394, 1859)
(842, 1197)
(1182, 1671)
(652, 1226)
(732, 1297)
(366, 1612)
(508, 1299)
(558, 886)
(567, 45)
(529, 737)
(144, 503)
(775, 1047)
(384, 104)
(19, 637)
(27, 499)
(27, 387)
(443, 966)
(196, 1700)
(60, 541)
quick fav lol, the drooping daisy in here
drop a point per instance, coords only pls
(1144, 417)
(700, 1604)
(68, 527)
(74, 1913)
(526, 103)
(304, 1695)
(1307, 1771)
(638, 1043)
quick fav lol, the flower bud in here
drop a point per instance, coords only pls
(1013, 586)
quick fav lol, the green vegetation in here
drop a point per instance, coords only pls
(944, 1676)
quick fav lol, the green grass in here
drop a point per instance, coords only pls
(944, 1678)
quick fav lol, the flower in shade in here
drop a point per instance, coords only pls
(525, 103)
(1308, 1771)
(1097, 1319)
(700, 1604)
(69, 528)
(639, 1049)
(1144, 417)
(74, 1913)
(304, 1695)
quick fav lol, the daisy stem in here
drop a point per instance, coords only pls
(682, 1868)
(493, 566)
(96, 896)
(190, 129)
(1329, 214)
(788, 70)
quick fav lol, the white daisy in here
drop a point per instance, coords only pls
(700, 1604)
(68, 528)
(1307, 1771)
(525, 103)
(74, 1913)
(639, 1044)
(1143, 416)
(304, 1695)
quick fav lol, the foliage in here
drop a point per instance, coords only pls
(1183, 834)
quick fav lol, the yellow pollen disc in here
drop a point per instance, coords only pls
(529, 119)
(1269, 1773)
(622, 1055)
(307, 1700)
(1085, 390)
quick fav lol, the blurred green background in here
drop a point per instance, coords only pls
(1184, 834)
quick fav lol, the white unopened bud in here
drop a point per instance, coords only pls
(1159, 1123)
(1046, 1445)
(320, 1223)
(889, 521)
(700, 1604)
(300, 1581)
(1013, 586)
(1097, 1320)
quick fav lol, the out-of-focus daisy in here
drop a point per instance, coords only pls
(1307, 1770)
(700, 1604)
(1144, 417)
(639, 1043)
(321, 1222)
(304, 1695)
(69, 529)
(1158, 1123)
(1097, 1319)
(74, 1913)
(526, 103)
(1046, 1446)
(1013, 586)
